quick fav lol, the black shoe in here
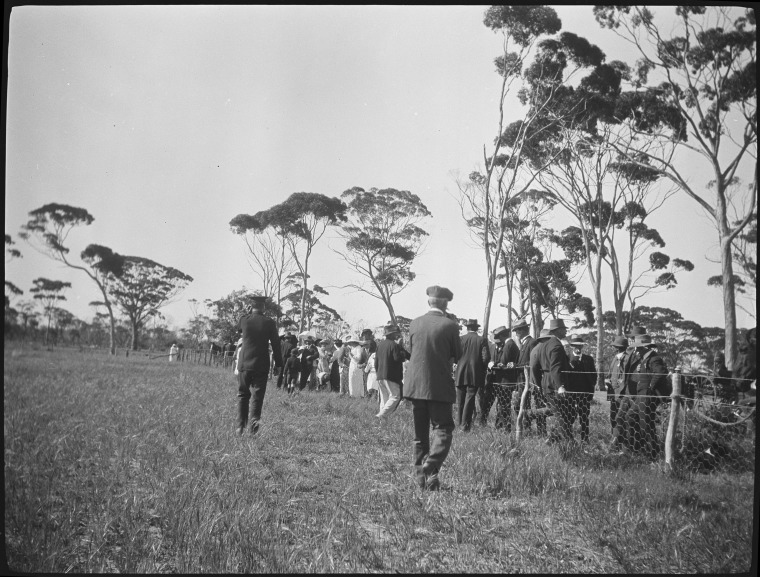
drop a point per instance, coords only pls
(254, 428)
(432, 482)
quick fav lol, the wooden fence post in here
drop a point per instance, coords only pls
(675, 408)
(523, 396)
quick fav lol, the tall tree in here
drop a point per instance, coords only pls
(143, 287)
(48, 229)
(506, 174)
(383, 237)
(49, 292)
(302, 220)
(268, 253)
(702, 65)
(315, 313)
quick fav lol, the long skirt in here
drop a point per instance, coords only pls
(355, 380)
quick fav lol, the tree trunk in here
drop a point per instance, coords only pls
(489, 301)
(301, 320)
(599, 324)
(135, 330)
(112, 332)
(729, 300)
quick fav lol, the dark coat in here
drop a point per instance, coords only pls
(292, 367)
(582, 377)
(554, 364)
(389, 361)
(433, 345)
(524, 359)
(536, 374)
(472, 365)
(505, 353)
(649, 375)
(259, 332)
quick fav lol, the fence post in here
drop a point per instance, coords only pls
(675, 408)
(521, 414)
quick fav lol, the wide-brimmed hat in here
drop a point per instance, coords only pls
(556, 324)
(636, 331)
(521, 324)
(439, 292)
(500, 330)
(307, 335)
(575, 340)
(352, 340)
(367, 333)
(620, 342)
(643, 341)
(472, 323)
(544, 335)
(391, 330)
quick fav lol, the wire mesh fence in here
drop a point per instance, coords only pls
(687, 431)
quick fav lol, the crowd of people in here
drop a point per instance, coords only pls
(436, 368)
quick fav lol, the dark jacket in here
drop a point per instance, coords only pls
(389, 361)
(554, 364)
(292, 367)
(259, 332)
(524, 359)
(509, 352)
(307, 356)
(472, 365)
(649, 375)
(433, 345)
(582, 377)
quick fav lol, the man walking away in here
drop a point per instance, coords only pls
(253, 362)
(434, 346)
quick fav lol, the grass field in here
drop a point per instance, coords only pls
(132, 465)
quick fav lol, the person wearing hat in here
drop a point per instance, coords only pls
(521, 335)
(258, 332)
(308, 353)
(581, 382)
(286, 345)
(555, 365)
(335, 368)
(357, 361)
(471, 372)
(536, 378)
(495, 376)
(343, 356)
(647, 383)
(616, 388)
(434, 346)
(389, 367)
(505, 377)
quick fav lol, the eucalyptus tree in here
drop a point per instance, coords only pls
(695, 93)
(48, 229)
(383, 237)
(143, 288)
(49, 293)
(301, 220)
(539, 85)
(268, 252)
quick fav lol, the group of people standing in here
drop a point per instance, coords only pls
(437, 368)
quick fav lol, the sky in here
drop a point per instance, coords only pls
(165, 122)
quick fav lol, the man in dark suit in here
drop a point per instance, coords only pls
(491, 391)
(253, 362)
(286, 345)
(389, 369)
(471, 372)
(554, 367)
(505, 380)
(434, 346)
(581, 383)
(647, 383)
(536, 377)
(616, 388)
(521, 335)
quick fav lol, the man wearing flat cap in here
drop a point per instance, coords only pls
(471, 372)
(259, 332)
(555, 366)
(434, 346)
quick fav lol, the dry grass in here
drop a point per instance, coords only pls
(131, 465)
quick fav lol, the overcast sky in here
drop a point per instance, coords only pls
(166, 122)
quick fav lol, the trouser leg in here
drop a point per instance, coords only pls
(583, 407)
(394, 397)
(421, 432)
(504, 407)
(621, 434)
(461, 394)
(539, 402)
(258, 390)
(384, 392)
(651, 440)
(304, 378)
(344, 380)
(243, 396)
(469, 407)
(441, 418)
(486, 401)
(614, 407)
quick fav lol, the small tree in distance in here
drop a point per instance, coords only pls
(49, 292)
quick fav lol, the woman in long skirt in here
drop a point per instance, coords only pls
(356, 369)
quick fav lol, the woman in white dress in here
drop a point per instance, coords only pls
(356, 369)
